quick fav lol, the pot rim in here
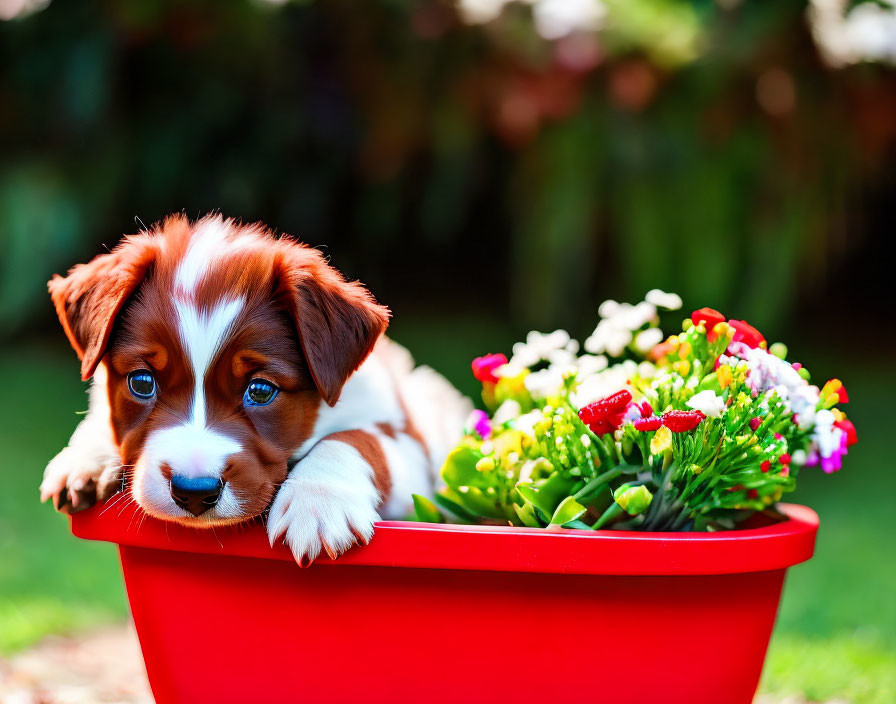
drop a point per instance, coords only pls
(489, 548)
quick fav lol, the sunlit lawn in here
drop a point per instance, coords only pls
(836, 632)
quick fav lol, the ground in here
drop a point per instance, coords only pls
(836, 631)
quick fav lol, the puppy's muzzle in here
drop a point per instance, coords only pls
(195, 494)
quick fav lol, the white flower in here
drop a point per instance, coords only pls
(508, 410)
(633, 317)
(509, 370)
(825, 435)
(544, 383)
(646, 370)
(608, 308)
(526, 422)
(620, 320)
(708, 403)
(647, 339)
(608, 338)
(589, 364)
(540, 346)
(661, 299)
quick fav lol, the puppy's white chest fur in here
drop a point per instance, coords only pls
(331, 497)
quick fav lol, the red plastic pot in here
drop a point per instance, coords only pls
(445, 613)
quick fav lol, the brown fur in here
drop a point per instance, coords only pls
(372, 452)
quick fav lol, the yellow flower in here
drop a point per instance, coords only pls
(724, 375)
(832, 387)
(723, 330)
(486, 464)
(696, 469)
(685, 349)
(661, 441)
(682, 366)
(508, 441)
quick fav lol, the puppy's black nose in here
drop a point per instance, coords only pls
(195, 494)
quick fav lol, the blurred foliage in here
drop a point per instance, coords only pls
(697, 147)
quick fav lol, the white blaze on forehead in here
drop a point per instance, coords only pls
(206, 243)
(202, 335)
(212, 239)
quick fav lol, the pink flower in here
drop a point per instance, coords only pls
(755, 423)
(481, 423)
(484, 367)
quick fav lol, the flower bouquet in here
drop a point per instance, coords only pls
(695, 432)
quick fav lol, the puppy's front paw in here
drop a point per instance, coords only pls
(76, 480)
(313, 513)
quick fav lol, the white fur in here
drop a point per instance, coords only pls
(410, 470)
(91, 452)
(209, 238)
(190, 450)
(331, 488)
(328, 498)
(203, 335)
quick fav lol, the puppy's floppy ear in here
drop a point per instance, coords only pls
(338, 321)
(91, 296)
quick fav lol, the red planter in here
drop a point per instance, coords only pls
(435, 613)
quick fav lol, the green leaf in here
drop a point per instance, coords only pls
(460, 467)
(568, 510)
(450, 505)
(549, 495)
(426, 510)
(527, 515)
(480, 503)
(580, 525)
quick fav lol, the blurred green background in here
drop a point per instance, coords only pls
(485, 167)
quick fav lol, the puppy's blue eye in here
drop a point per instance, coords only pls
(142, 383)
(259, 393)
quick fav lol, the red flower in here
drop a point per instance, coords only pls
(605, 416)
(784, 459)
(484, 367)
(646, 409)
(708, 316)
(682, 421)
(847, 427)
(842, 395)
(765, 466)
(746, 333)
(755, 423)
(752, 494)
(652, 423)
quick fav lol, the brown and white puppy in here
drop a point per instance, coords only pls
(236, 373)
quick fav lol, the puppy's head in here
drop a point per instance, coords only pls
(220, 344)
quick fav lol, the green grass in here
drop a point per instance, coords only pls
(836, 631)
(49, 581)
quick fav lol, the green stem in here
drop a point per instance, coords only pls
(610, 514)
(596, 482)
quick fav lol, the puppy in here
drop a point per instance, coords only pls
(237, 374)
